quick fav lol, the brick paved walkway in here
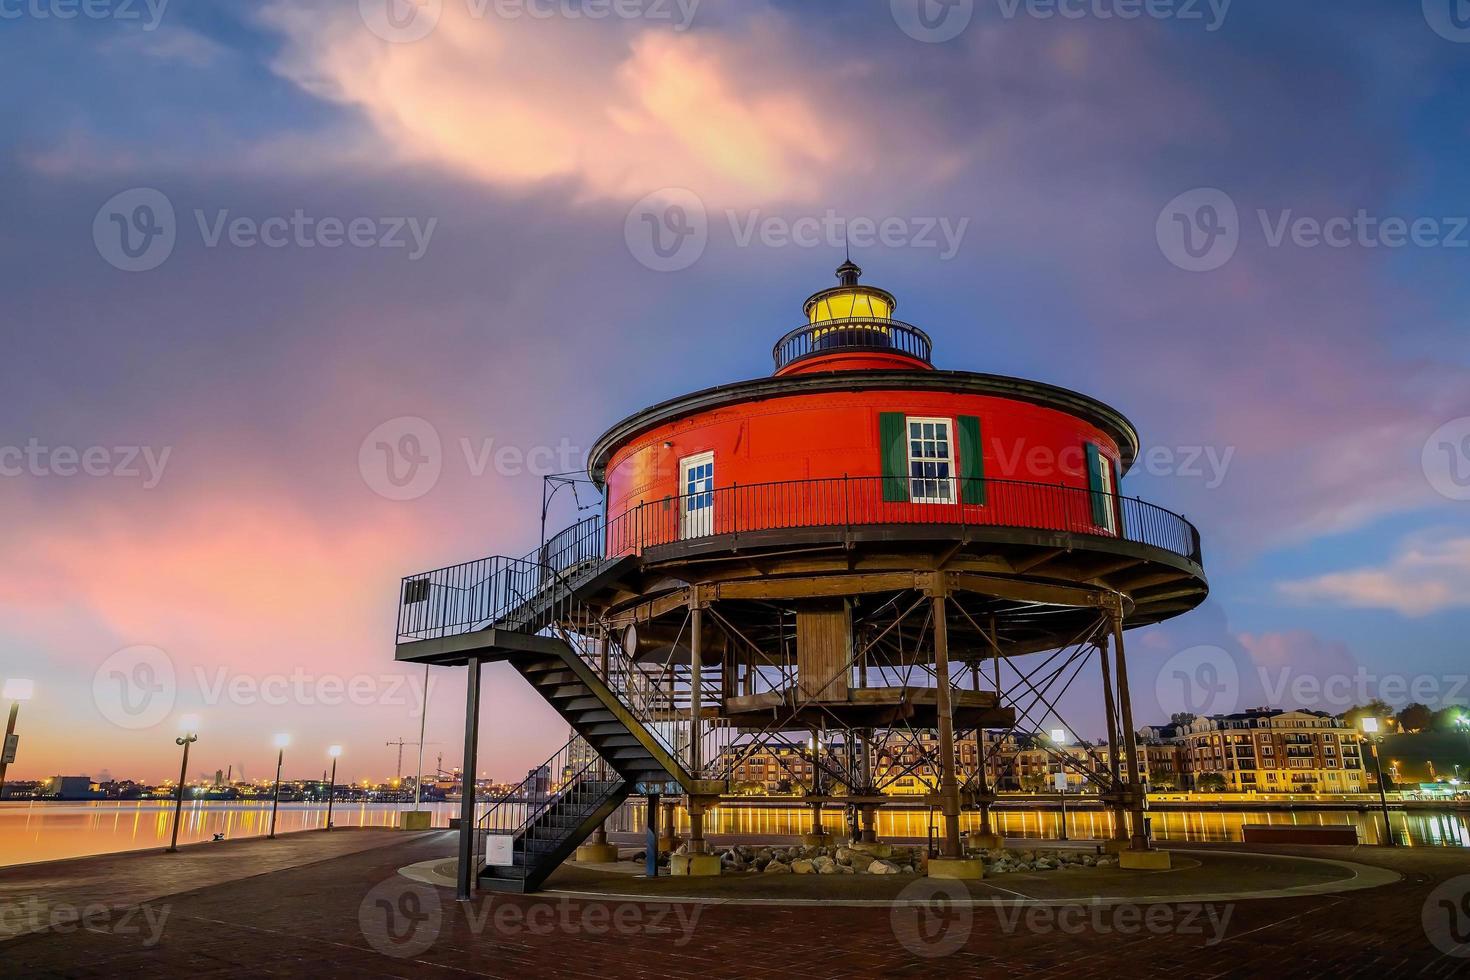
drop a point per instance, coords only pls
(354, 915)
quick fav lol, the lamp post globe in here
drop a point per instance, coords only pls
(1371, 735)
(188, 735)
(280, 741)
(334, 751)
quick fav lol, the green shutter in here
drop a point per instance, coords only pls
(1094, 483)
(972, 460)
(893, 443)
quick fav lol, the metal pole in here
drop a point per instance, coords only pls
(1136, 800)
(9, 731)
(276, 796)
(949, 791)
(331, 792)
(696, 680)
(1063, 794)
(650, 853)
(465, 882)
(185, 741)
(1120, 818)
(418, 778)
(1388, 840)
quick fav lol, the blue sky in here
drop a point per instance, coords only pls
(1059, 145)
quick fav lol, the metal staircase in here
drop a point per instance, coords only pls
(542, 820)
(532, 615)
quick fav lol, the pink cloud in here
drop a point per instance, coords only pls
(1428, 574)
(738, 115)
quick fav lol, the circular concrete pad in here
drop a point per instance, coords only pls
(1197, 876)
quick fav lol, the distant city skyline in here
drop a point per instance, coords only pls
(201, 419)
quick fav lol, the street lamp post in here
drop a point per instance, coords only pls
(1059, 739)
(15, 691)
(189, 734)
(1370, 733)
(333, 751)
(281, 741)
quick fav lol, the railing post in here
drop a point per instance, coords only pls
(847, 501)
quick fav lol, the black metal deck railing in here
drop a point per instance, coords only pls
(857, 334)
(857, 501)
(474, 594)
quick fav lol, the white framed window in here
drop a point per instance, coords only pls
(931, 460)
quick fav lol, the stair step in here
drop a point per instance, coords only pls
(561, 691)
(613, 740)
(541, 666)
(581, 704)
(550, 677)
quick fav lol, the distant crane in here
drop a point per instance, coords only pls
(401, 742)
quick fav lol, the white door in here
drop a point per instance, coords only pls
(696, 495)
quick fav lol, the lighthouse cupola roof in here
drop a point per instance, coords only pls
(849, 298)
(850, 327)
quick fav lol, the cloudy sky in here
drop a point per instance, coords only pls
(244, 243)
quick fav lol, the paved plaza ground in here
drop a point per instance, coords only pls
(325, 905)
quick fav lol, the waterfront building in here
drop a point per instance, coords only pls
(837, 556)
(69, 788)
(1267, 750)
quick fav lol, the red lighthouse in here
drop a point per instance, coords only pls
(835, 557)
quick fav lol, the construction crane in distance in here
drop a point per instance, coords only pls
(401, 742)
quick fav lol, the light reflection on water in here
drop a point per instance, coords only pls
(44, 831)
(32, 831)
(1447, 829)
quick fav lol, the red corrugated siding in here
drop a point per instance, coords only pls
(835, 434)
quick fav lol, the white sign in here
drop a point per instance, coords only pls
(499, 850)
(1060, 779)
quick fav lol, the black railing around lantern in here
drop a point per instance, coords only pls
(857, 334)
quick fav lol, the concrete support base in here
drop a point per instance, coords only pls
(596, 854)
(817, 840)
(698, 865)
(962, 868)
(989, 841)
(874, 849)
(1115, 846)
(415, 820)
(1144, 860)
